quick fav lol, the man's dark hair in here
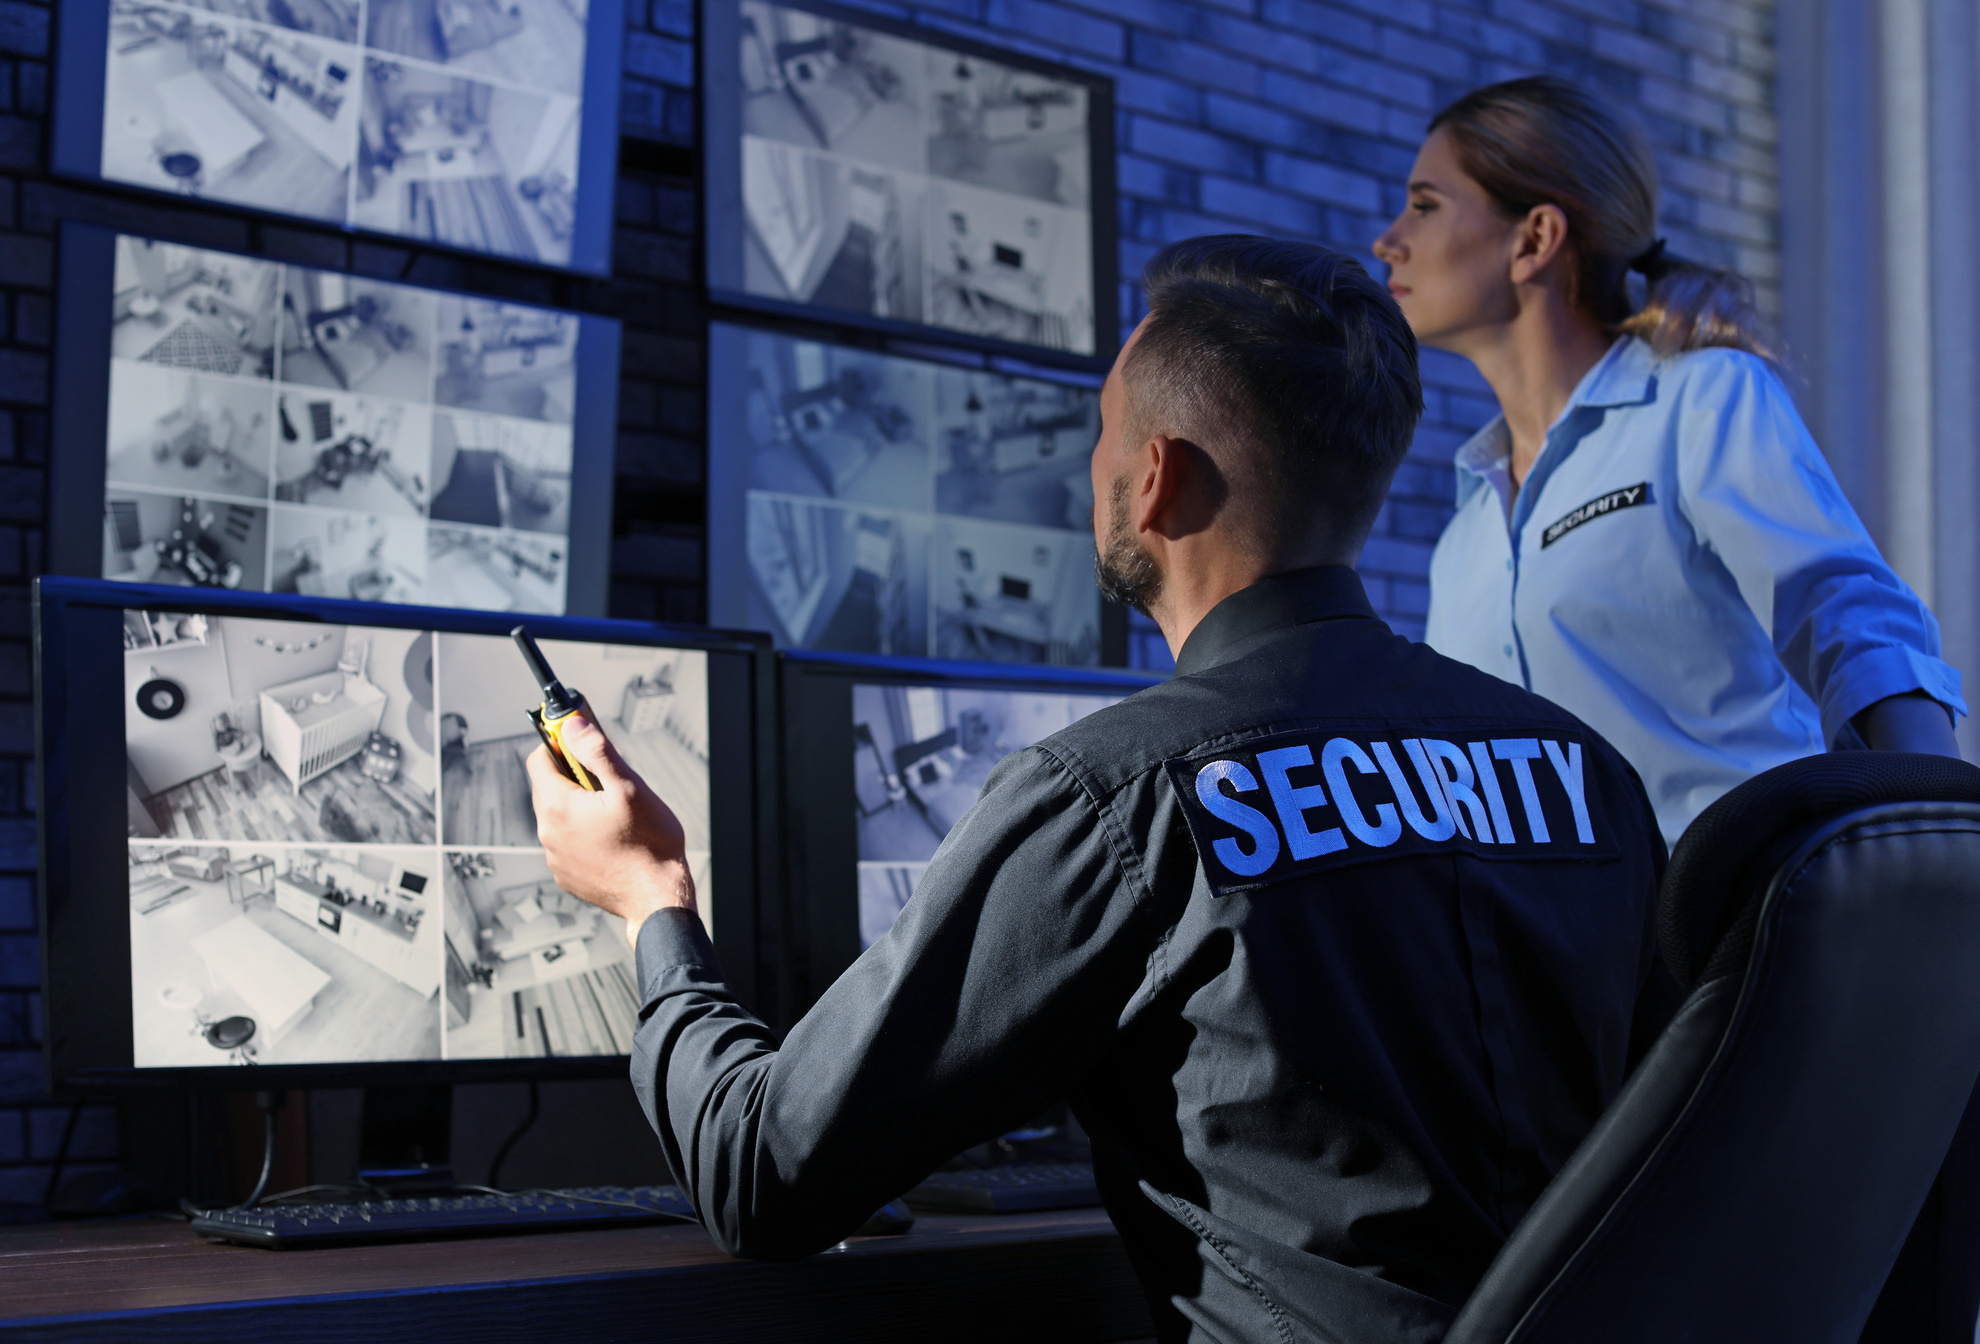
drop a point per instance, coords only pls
(1289, 365)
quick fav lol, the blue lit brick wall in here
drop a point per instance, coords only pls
(1280, 116)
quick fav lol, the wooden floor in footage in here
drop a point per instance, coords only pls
(485, 790)
(340, 805)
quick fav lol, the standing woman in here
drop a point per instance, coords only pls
(1647, 535)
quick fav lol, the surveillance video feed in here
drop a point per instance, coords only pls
(301, 431)
(903, 507)
(910, 181)
(332, 856)
(455, 122)
(921, 755)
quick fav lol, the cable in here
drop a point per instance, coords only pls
(502, 1153)
(270, 1102)
(62, 1153)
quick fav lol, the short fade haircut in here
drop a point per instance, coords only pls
(1290, 366)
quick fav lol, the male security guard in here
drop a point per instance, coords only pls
(1334, 943)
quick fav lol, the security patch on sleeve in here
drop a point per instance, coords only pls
(1296, 803)
(1629, 497)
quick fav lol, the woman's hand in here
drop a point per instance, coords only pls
(1913, 721)
(620, 848)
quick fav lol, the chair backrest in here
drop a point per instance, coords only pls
(1759, 1171)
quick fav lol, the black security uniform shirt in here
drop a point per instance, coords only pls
(1333, 943)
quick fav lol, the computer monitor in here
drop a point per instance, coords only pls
(234, 422)
(882, 175)
(881, 757)
(867, 502)
(325, 864)
(481, 125)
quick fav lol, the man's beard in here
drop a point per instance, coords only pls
(1125, 571)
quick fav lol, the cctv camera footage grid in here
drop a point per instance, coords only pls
(332, 851)
(901, 507)
(291, 430)
(456, 123)
(910, 181)
(921, 755)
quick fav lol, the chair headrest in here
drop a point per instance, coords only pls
(1717, 875)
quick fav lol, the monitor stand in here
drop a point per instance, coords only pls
(405, 1144)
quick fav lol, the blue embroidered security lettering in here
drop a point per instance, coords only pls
(1520, 752)
(1443, 828)
(1388, 826)
(1458, 786)
(1488, 783)
(1293, 803)
(1568, 767)
(1250, 820)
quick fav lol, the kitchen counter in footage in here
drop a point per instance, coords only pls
(1031, 1277)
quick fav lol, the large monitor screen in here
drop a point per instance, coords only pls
(868, 503)
(881, 758)
(488, 125)
(899, 177)
(328, 846)
(262, 426)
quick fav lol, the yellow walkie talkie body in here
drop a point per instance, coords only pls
(554, 715)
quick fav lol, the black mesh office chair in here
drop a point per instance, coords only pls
(1759, 1172)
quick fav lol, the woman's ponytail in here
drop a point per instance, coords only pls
(1543, 141)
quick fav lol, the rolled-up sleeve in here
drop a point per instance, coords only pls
(1000, 985)
(1759, 493)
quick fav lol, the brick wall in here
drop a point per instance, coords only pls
(1291, 117)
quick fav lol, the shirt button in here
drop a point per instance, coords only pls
(1508, 566)
(1508, 650)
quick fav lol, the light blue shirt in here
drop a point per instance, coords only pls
(1681, 571)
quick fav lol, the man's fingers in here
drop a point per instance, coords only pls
(587, 742)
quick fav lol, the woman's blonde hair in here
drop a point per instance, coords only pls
(1543, 141)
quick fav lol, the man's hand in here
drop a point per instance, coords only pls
(620, 848)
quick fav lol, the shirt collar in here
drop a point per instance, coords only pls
(1625, 376)
(1276, 602)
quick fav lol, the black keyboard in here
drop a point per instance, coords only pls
(1023, 1188)
(289, 1226)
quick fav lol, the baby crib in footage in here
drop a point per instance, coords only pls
(313, 724)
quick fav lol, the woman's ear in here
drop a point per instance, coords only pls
(1538, 240)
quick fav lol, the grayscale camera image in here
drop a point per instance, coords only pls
(366, 454)
(493, 570)
(186, 308)
(1016, 450)
(535, 43)
(838, 423)
(823, 577)
(507, 359)
(905, 180)
(238, 383)
(861, 463)
(209, 105)
(171, 430)
(652, 703)
(336, 20)
(184, 540)
(320, 553)
(497, 472)
(472, 164)
(271, 954)
(1014, 594)
(352, 335)
(921, 755)
(277, 731)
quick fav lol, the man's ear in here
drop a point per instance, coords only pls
(1539, 239)
(1156, 481)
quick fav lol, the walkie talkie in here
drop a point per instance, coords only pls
(554, 714)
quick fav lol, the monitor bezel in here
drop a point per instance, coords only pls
(820, 917)
(728, 472)
(721, 181)
(75, 148)
(746, 827)
(84, 297)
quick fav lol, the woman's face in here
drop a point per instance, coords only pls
(1449, 252)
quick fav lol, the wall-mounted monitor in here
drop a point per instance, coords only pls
(904, 179)
(871, 503)
(226, 421)
(327, 863)
(881, 758)
(486, 125)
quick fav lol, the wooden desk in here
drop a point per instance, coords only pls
(1029, 1277)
